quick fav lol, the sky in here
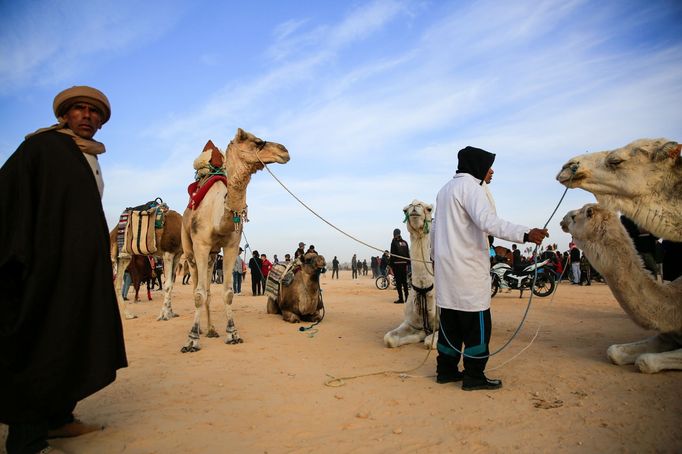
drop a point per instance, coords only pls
(373, 99)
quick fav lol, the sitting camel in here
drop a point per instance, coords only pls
(649, 303)
(169, 244)
(217, 222)
(643, 180)
(420, 310)
(301, 298)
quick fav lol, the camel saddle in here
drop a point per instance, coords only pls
(137, 227)
(280, 274)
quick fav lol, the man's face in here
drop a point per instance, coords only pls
(84, 119)
(489, 175)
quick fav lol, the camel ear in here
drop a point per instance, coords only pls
(670, 150)
(240, 135)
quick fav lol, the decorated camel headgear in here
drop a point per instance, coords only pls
(81, 93)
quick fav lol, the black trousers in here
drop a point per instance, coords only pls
(468, 329)
(400, 275)
(30, 438)
(255, 284)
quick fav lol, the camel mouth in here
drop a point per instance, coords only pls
(568, 179)
(564, 226)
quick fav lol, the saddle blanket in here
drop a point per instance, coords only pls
(280, 274)
(197, 191)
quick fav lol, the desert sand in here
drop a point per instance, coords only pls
(268, 394)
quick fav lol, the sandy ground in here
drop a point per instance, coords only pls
(269, 395)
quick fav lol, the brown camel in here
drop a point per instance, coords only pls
(218, 222)
(169, 245)
(301, 299)
(140, 272)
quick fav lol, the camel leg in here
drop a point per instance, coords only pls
(650, 363)
(403, 334)
(273, 307)
(123, 262)
(198, 265)
(622, 354)
(290, 317)
(170, 264)
(209, 274)
(230, 252)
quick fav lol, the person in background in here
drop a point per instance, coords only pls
(275, 260)
(300, 251)
(256, 274)
(354, 267)
(574, 254)
(335, 268)
(287, 258)
(265, 267)
(399, 262)
(237, 270)
(127, 282)
(383, 263)
(60, 326)
(466, 215)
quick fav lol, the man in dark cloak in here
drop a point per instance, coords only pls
(61, 338)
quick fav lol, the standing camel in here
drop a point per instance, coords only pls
(169, 244)
(217, 222)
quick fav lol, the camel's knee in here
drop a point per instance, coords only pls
(619, 355)
(272, 307)
(391, 340)
(290, 317)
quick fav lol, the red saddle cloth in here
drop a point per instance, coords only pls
(197, 193)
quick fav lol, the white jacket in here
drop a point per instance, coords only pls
(464, 219)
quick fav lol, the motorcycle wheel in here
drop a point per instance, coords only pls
(382, 282)
(494, 286)
(544, 285)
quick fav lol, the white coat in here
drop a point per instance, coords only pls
(464, 219)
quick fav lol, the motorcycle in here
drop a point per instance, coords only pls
(523, 279)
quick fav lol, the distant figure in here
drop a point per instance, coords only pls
(354, 267)
(374, 264)
(335, 267)
(275, 260)
(237, 273)
(516, 257)
(218, 269)
(311, 248)
(256, 278)
(399, 261)
(300, 251)
(364, 267)
(287, 258)
(265, 267)
(575, 264)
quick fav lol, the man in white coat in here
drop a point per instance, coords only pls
(465, 218)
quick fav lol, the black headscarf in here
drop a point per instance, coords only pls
(475, 161)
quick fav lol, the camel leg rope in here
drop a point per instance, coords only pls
(504, 346)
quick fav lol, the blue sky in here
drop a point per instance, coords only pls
(372, 99)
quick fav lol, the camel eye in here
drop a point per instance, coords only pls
(614, 162)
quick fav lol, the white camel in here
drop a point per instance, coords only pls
(643, 180)
(420, 310)
(218, 222)
(649, 303)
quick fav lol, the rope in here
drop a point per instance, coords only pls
(340, 381)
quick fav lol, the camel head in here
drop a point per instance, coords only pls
(418, 217)
(588, 223)
(312, 264)
(638, 169)
(247, 153)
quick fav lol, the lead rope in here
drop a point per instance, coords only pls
(341, 381)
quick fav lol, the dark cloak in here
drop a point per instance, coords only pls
(61, 338)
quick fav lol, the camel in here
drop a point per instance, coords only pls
(420, 310)
(140, 270)
(643, 180)
(169, 245)
(650, 304)
(217, 222)
(301, 299)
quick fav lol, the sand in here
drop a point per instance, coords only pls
(268, 394)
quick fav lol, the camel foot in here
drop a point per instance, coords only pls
(233, 339)
(212, 333)
(192, 344)
(166, 315)
(648, 363)
(190, 349)
(129, 315)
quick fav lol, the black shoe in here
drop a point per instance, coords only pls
(449, 378)
(472, 384)
(398, 302)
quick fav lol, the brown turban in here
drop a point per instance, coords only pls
(81, 93)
